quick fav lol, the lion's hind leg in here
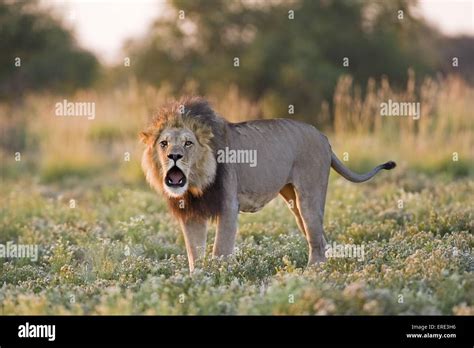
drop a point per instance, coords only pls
(310, 202)
(289, 195)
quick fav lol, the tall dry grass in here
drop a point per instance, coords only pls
(446, 107)
(65, 146)
(441, 139)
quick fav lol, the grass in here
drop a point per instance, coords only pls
(119, 251)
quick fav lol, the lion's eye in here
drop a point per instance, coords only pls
(163, 143)
(188, 143)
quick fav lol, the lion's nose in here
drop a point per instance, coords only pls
(175, 156)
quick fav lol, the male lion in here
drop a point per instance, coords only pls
(184, 143)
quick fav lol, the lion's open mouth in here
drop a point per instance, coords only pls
(175, 178)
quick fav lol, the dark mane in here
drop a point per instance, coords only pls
(199, 109)
(207, 206)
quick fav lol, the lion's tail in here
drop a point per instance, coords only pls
(337, 165)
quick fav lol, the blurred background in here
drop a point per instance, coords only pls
(328, 63)
(73, 185)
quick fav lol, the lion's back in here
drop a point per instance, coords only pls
(283, 134)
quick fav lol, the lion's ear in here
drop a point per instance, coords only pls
(145, 137)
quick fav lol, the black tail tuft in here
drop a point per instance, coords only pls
(389, 165)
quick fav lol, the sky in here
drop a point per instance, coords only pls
(123, 19)
(131, 18)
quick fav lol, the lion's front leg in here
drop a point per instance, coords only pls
(226, 229)
(195, 233)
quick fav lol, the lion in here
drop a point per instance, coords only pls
(184, 160)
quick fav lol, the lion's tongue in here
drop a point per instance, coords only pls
(175, 175)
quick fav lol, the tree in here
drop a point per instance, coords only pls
(39, 53)
(289, 52)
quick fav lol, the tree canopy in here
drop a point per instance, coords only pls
(286, 52)
(38, 52)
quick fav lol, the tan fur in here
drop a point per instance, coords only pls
(294, 160)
